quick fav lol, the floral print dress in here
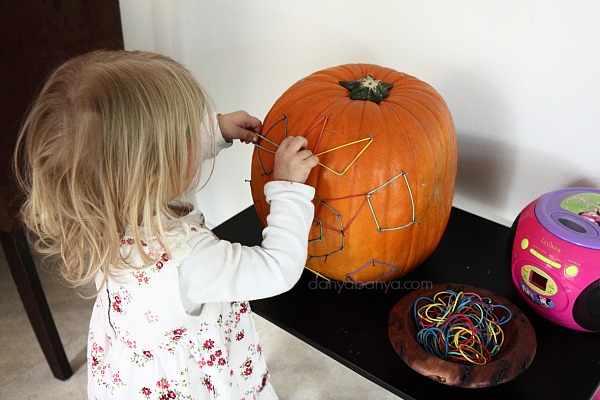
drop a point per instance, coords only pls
(143, 345)
(169, 330)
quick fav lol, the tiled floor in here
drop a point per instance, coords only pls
(298, 370)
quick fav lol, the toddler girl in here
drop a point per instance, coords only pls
(109, 147)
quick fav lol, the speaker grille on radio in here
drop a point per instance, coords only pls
(586, 310)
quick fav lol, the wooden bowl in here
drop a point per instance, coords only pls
(515, 356)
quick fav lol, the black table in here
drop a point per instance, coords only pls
(350, 324)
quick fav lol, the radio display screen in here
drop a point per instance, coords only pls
(538, 280)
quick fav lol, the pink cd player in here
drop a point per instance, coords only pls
(554, 249)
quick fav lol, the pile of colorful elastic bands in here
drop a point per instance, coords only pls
(460, 327)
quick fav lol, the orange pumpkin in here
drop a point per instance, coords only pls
(384, 187)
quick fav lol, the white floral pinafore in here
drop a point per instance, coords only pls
(143, 345)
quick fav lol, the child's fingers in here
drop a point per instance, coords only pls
(250, 137)
(305, 154)
(239, 125)
(312, 161)
(254, 124)
(294, 143)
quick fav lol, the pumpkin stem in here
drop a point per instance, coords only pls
(367, 88)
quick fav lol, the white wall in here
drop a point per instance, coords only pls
(522, 79)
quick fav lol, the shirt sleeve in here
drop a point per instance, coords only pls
(211, 147)
(217, 270)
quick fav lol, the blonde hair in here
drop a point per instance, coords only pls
(106, 147)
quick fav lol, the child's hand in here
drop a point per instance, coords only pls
(292, 161)
(239, 125)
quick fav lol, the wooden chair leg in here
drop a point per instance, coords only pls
(22, 268)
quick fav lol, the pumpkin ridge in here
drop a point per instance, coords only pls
(322, 93)
(345, 104)
(402, 169)
(408, 141)
(436, 115)
(319, 115)
(396, 80)
(416, 177)
(353, 70)
(409, 83)
(434, 96)
(322, 113)
(324, 77)
(440, 124)
(423, 106)
(330, 74)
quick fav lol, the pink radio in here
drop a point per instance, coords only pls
(555, 257)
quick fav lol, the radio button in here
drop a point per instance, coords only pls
(571, 270)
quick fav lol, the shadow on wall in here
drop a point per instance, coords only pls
(503, 178)
(497, 174)
(486, 156)
(486, 169)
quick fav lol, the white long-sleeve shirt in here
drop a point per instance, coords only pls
(217, 270)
